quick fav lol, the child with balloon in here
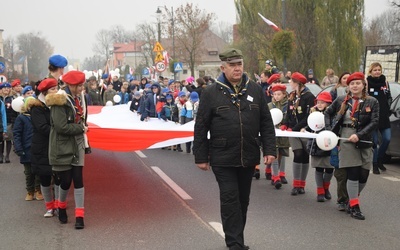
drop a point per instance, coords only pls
(279, 104)
(300, 102)
(354, 117)
(320, 159)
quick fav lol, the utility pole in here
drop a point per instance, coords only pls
(173, 39)
(158, 12)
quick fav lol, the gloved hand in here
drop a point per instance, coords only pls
(283, 127)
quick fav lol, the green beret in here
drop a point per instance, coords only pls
(231, 55)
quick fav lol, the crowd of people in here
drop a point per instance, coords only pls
(55, 109)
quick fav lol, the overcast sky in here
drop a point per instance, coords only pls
(70, 26)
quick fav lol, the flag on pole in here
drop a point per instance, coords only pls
(166, 57)
(270, 23)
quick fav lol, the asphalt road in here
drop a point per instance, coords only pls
(158, 199)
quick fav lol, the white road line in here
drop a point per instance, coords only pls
(391, 178)
(140, 154)
(172, 184)
(217, 227)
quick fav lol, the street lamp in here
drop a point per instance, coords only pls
(158, 12)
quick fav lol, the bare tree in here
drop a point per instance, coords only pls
(383, 30)
(93, 63)
(147, 33)
(190, 26)
(104, 41)
(37, 50)
(224, 30)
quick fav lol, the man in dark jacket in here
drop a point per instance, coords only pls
(235, 112)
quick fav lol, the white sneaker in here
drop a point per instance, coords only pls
(49, 213)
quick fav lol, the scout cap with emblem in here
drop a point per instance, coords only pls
(231, 56)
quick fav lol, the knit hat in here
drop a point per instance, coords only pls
(310, 72)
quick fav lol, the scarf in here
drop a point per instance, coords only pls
(234, 96)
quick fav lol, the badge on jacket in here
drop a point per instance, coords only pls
(250, 98)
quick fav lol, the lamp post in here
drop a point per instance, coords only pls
(158, 12)
(173, 38)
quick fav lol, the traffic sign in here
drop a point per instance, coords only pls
(158, 47)
(145, 71)
(2, 67)
(160, 66)
(3, 78)
(159, 57)
(178, 67)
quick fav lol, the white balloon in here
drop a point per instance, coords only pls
(109, 103)
(70, 67)
(327, 140)
(117, 98)
(17, 104)
(117, 70)
(316, 121)
(277, 115)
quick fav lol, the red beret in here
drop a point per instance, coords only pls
(277, 87)
(324, 96)
(299, 77)
(273, 78)
(15, 83)
(74, 77)
(355, 76)
(47, 84)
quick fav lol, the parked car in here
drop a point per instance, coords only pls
(314, 88)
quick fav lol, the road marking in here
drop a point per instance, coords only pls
(172, 184)
(217, 227)
(391, 178)
(140, 154)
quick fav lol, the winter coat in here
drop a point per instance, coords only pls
(135, 104)
(296, 118)
(95, 97)
(170, 112)
(378, 88)
(109, 96)
(366, 118)
(63, 148)
(239, 124)
(40, 117)
(23, 132)
(281, 142)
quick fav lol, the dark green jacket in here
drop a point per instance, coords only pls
(63, 149)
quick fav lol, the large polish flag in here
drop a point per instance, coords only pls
(269, 22)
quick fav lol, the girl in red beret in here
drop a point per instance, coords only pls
(300, 102)
(320, 159)
(68, 115)
(354, 117)
(279, 101)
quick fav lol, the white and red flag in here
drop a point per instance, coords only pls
(270, 23)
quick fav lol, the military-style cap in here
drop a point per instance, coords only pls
(231, 55)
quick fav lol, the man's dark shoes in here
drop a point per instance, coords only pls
(62, 215)
(79, 224)
(375, 169)
(380, 165)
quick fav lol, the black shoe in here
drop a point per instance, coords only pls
(295, 191)
(277, 184)
(62, 215)
(283, 180)
(328, 195)
(341, 206)
(302, 191)
(375, 168)
(79, 223)
(380, 165)
(257, 174)
(356, 213)
(320, 198)
(268, 176)
(348, 208)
